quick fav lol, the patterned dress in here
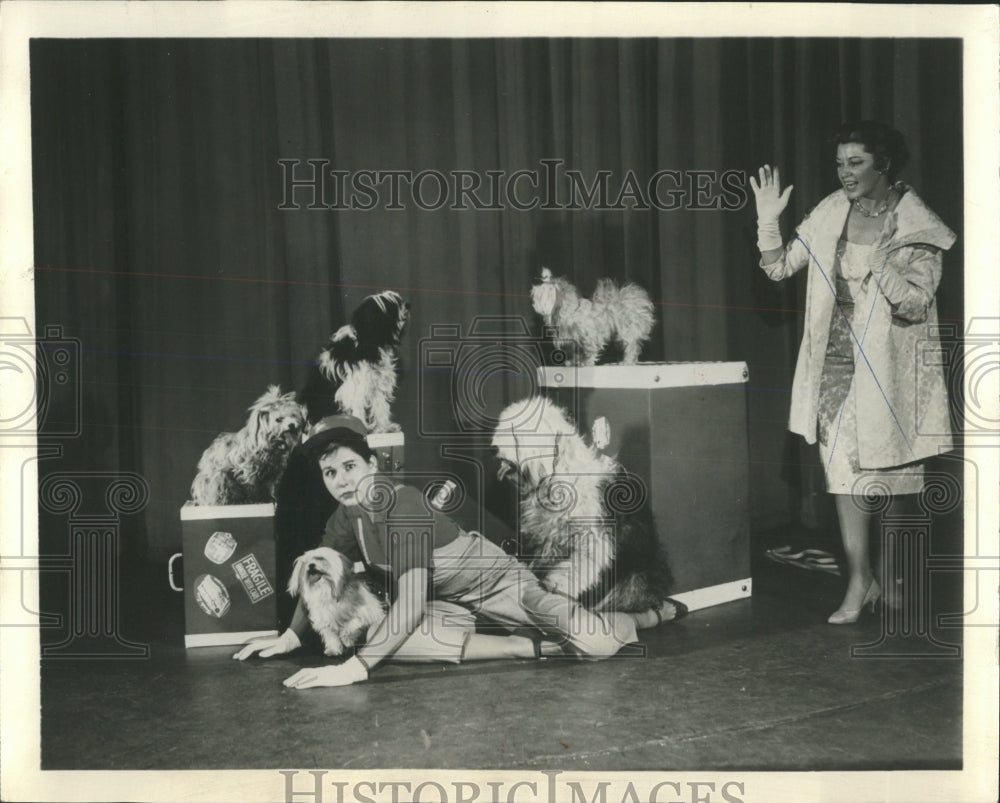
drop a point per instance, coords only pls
(837, 411)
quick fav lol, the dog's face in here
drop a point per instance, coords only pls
(544, 293)
(277, 421)
(528, 437)
(320, 572)
(550, 292)
(381, 318)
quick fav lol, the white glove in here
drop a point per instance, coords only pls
(768, 235)
(351, 671)
(771, 202)
(276, 645)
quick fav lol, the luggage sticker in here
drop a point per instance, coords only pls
(251, 575)
(211, 595)
(220, 547)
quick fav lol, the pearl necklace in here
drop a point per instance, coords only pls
(885, 205)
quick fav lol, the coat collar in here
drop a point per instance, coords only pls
(912, 221)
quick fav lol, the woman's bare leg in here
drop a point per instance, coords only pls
(854, 524)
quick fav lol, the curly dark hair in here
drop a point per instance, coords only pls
(357, 445)
(886, 144)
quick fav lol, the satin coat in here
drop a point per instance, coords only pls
(902, 399)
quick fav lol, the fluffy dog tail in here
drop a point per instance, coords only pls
(632, 312)
(630, 296)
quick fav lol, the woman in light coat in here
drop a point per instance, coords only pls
(866, 384)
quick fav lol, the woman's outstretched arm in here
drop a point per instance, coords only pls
(402, 619)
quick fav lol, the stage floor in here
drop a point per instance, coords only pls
(758, 684)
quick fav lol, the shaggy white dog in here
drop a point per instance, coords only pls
(583, 525)
(340, 605)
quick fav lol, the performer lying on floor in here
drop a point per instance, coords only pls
(444, 577)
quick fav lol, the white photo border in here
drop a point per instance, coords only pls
(20, 21)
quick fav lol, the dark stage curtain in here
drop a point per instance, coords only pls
(161, 247)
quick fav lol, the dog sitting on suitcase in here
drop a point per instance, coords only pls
(581, 530)
(244, 467)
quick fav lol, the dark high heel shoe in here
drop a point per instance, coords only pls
(680, 611)
(848, 616)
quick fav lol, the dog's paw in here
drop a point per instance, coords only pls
(392, 427)
(332, 647)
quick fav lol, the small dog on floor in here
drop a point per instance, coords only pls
(572, 535)
(583, 327)
(243, 468)
(340, 605)
(356, 373)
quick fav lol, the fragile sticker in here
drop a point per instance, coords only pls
(251, 575)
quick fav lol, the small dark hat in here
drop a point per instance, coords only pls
(345, 429)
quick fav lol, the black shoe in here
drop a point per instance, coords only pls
(680, 611)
